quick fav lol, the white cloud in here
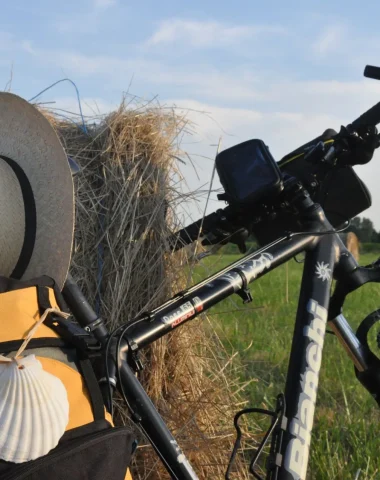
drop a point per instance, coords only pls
(201, 34)
(285, 113)
(68, 106)
(28, 47)
(281, 131)
(12, 46)
(103, 4)
(77, 23)
(199, 80)
(7, 41)
(330, 40)
(345, 100)
(80, 64)
(87, 22)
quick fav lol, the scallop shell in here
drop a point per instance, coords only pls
(34, 410)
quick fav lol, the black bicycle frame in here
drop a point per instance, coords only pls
(326, 257)
(189, 305)
(306, 356)
(324, 254)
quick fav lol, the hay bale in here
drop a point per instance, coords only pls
(124, 198)
(352, 244)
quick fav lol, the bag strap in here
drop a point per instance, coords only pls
(73, 334)
(9, 284)
(45, 342)
(96, 398)
(43, 299)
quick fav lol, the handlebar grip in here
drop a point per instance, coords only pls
(372, 72)
(82, 310)
(77, 302)
(370, 117)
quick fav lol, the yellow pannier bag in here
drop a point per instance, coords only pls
(92, 447)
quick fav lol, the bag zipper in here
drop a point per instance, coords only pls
(62, 452)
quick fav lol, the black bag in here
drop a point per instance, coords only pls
(96, 451)
(339, 191)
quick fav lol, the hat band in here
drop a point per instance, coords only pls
(30, 219)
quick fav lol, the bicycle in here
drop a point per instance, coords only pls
(278, 199)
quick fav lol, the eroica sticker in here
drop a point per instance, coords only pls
(184, 312)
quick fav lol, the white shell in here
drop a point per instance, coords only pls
(34, 410)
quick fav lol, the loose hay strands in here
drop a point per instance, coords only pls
(124, 198)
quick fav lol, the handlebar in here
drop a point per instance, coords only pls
(370, 117)
(219, 226)
(372, 72)
(192, 232)
(221, 221)
(82, 310)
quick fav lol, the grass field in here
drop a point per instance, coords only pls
(346, 435)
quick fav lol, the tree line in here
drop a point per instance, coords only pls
(365, 230)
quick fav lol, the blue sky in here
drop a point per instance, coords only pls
(280, 71)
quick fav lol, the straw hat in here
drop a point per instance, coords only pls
(36, 195)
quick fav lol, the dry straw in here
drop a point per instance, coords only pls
(126, 194)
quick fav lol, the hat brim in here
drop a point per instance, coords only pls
(28, 139)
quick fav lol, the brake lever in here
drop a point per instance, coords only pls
(355, 146)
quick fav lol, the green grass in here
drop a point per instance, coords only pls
(346, 434)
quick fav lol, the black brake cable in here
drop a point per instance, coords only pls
(291, 235)
(110, 399)
(321, 233)
(124, 328)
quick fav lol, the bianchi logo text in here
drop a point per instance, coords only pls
(297, 453)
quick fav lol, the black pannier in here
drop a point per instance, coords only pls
(338, 190)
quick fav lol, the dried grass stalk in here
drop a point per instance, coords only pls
(125, 194)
